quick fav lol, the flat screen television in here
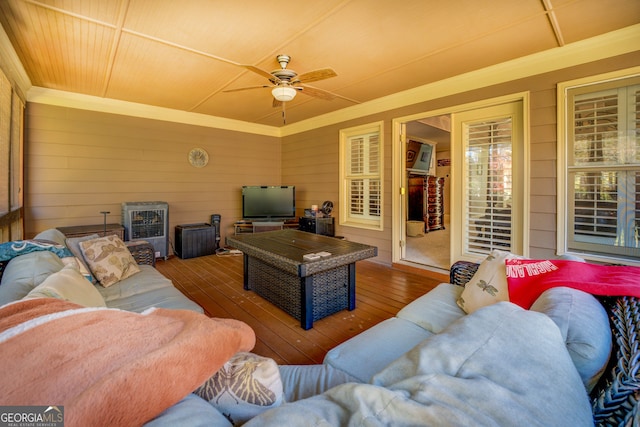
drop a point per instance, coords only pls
(262, 202)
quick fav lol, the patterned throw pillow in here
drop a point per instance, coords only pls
(244, 387)
(489, 284)
(109, 259)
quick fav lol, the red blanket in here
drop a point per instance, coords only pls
(109, 367)
(528, 278)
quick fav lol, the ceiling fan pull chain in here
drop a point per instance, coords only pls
(284, 117)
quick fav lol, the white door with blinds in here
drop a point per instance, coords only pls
(489, 187)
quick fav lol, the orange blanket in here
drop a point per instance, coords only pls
(109, 367)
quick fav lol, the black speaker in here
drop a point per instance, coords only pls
(215, 222)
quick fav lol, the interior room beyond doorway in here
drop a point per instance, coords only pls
(428, 192)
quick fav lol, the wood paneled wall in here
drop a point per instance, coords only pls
(79, 163)
(311, 158)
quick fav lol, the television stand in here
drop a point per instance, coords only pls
(247, 227)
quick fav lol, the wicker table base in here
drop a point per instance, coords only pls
(307, 290)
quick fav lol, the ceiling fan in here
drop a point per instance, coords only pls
(286, 83)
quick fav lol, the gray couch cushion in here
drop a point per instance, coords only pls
(387, 340)
(53, 235)
(68, 285)
(584, 325)
(25, 272)
(191, 411)
(302, 381)
(148, 279)
(500, 366)
(146, 289)
(435, 310)
(161, 298)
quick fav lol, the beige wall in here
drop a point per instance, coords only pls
(79, 163)
(311, 158)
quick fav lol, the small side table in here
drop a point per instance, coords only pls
(99, 229)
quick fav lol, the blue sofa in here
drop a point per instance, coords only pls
(589, 325)
(570, 360)
(147, 289)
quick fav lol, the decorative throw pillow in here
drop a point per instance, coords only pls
(73, 243)
(489, 284)
(244, 387)
(109, 259)
(69, 285)
(584, 325)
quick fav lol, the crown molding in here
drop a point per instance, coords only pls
(108, 105)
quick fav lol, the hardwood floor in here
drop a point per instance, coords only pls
(216, 284)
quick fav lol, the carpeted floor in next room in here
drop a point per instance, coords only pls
(432, 249)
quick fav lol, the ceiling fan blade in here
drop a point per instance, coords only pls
(262, 72)
(314, 76)
(247, 88)
(316, 93)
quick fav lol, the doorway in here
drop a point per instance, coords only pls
(481, 156)
(427, 183)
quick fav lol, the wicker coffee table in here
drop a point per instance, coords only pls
(274, 268)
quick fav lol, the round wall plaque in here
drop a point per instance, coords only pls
(198, 157)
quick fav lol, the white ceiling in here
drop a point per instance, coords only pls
(184, 54)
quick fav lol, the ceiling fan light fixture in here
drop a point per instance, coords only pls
(284, 93)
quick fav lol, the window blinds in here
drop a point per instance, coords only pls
(489, 185)
(363, 176)
(604, 170)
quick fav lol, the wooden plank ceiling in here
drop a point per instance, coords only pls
(185, 54)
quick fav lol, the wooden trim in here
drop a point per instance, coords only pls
(8, 220)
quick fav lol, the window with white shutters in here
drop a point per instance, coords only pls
(603, 168)
(361, 176)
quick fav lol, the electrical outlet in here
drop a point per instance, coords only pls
(157, 254)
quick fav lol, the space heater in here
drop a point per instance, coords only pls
(147, 221)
